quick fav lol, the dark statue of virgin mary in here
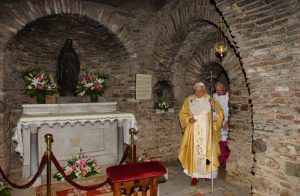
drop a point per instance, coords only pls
(68, 68)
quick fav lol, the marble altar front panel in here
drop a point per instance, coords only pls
(98, 141)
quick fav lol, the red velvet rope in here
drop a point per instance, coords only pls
(40, 169)
(58, 167)
(86, 188)
(124, 155)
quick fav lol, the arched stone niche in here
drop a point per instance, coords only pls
(38, 44)
(164, 92)
(98, 49)
(223, 78)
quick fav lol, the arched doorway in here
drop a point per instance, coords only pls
(38, 45)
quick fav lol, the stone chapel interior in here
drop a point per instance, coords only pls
(173, 43)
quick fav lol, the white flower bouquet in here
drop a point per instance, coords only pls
(79, 166)
(39, 84)
(162, 106)
(91, 83)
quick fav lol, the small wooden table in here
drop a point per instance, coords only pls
(135, 177)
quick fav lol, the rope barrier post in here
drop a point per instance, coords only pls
(132, 132)
(49, 140)
(212, 135)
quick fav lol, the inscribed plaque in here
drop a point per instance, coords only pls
(143, 86)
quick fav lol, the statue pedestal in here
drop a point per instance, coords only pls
(65, 109)
(67, 99)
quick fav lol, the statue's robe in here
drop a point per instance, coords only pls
(68, 68)
(195, 149)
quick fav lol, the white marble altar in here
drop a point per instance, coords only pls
(98, 128)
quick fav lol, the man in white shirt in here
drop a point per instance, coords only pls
(222, 96)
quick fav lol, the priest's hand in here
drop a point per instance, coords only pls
(212, 103)
(192, 120)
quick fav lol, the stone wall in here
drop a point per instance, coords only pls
(39, 44)
(16, 16)
(186, 40)
(267, 35)
(101, 45)
(174, 43)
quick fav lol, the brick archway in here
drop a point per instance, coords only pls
(266, 37)
(17, 16)
(175, 29)
(268, 50)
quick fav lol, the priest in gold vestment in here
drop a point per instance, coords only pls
(195, 153)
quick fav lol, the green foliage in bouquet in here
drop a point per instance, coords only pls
(79, 166)
(38, 82)
(91, 84)
(4, 190)
(162, 106)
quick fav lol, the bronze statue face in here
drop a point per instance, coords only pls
(68, 43)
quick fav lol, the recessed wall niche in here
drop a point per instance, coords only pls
(164, 92)
(39, 42)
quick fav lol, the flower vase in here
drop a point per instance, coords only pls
(94, 98)
(40, 98)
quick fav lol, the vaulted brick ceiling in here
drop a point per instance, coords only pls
(133, 4)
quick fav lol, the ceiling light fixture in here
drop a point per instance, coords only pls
(221, 44)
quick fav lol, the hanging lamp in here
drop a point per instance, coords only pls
(221, 44)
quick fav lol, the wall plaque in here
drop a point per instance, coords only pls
(143, 86)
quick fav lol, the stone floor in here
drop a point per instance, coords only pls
(178, 184)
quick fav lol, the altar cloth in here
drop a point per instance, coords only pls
(26, 121)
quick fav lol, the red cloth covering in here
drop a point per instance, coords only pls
(134, 171)
(225, 152)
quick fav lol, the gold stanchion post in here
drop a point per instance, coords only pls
(49, 140)
(132, 132)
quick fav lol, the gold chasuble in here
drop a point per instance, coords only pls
(195, 148)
